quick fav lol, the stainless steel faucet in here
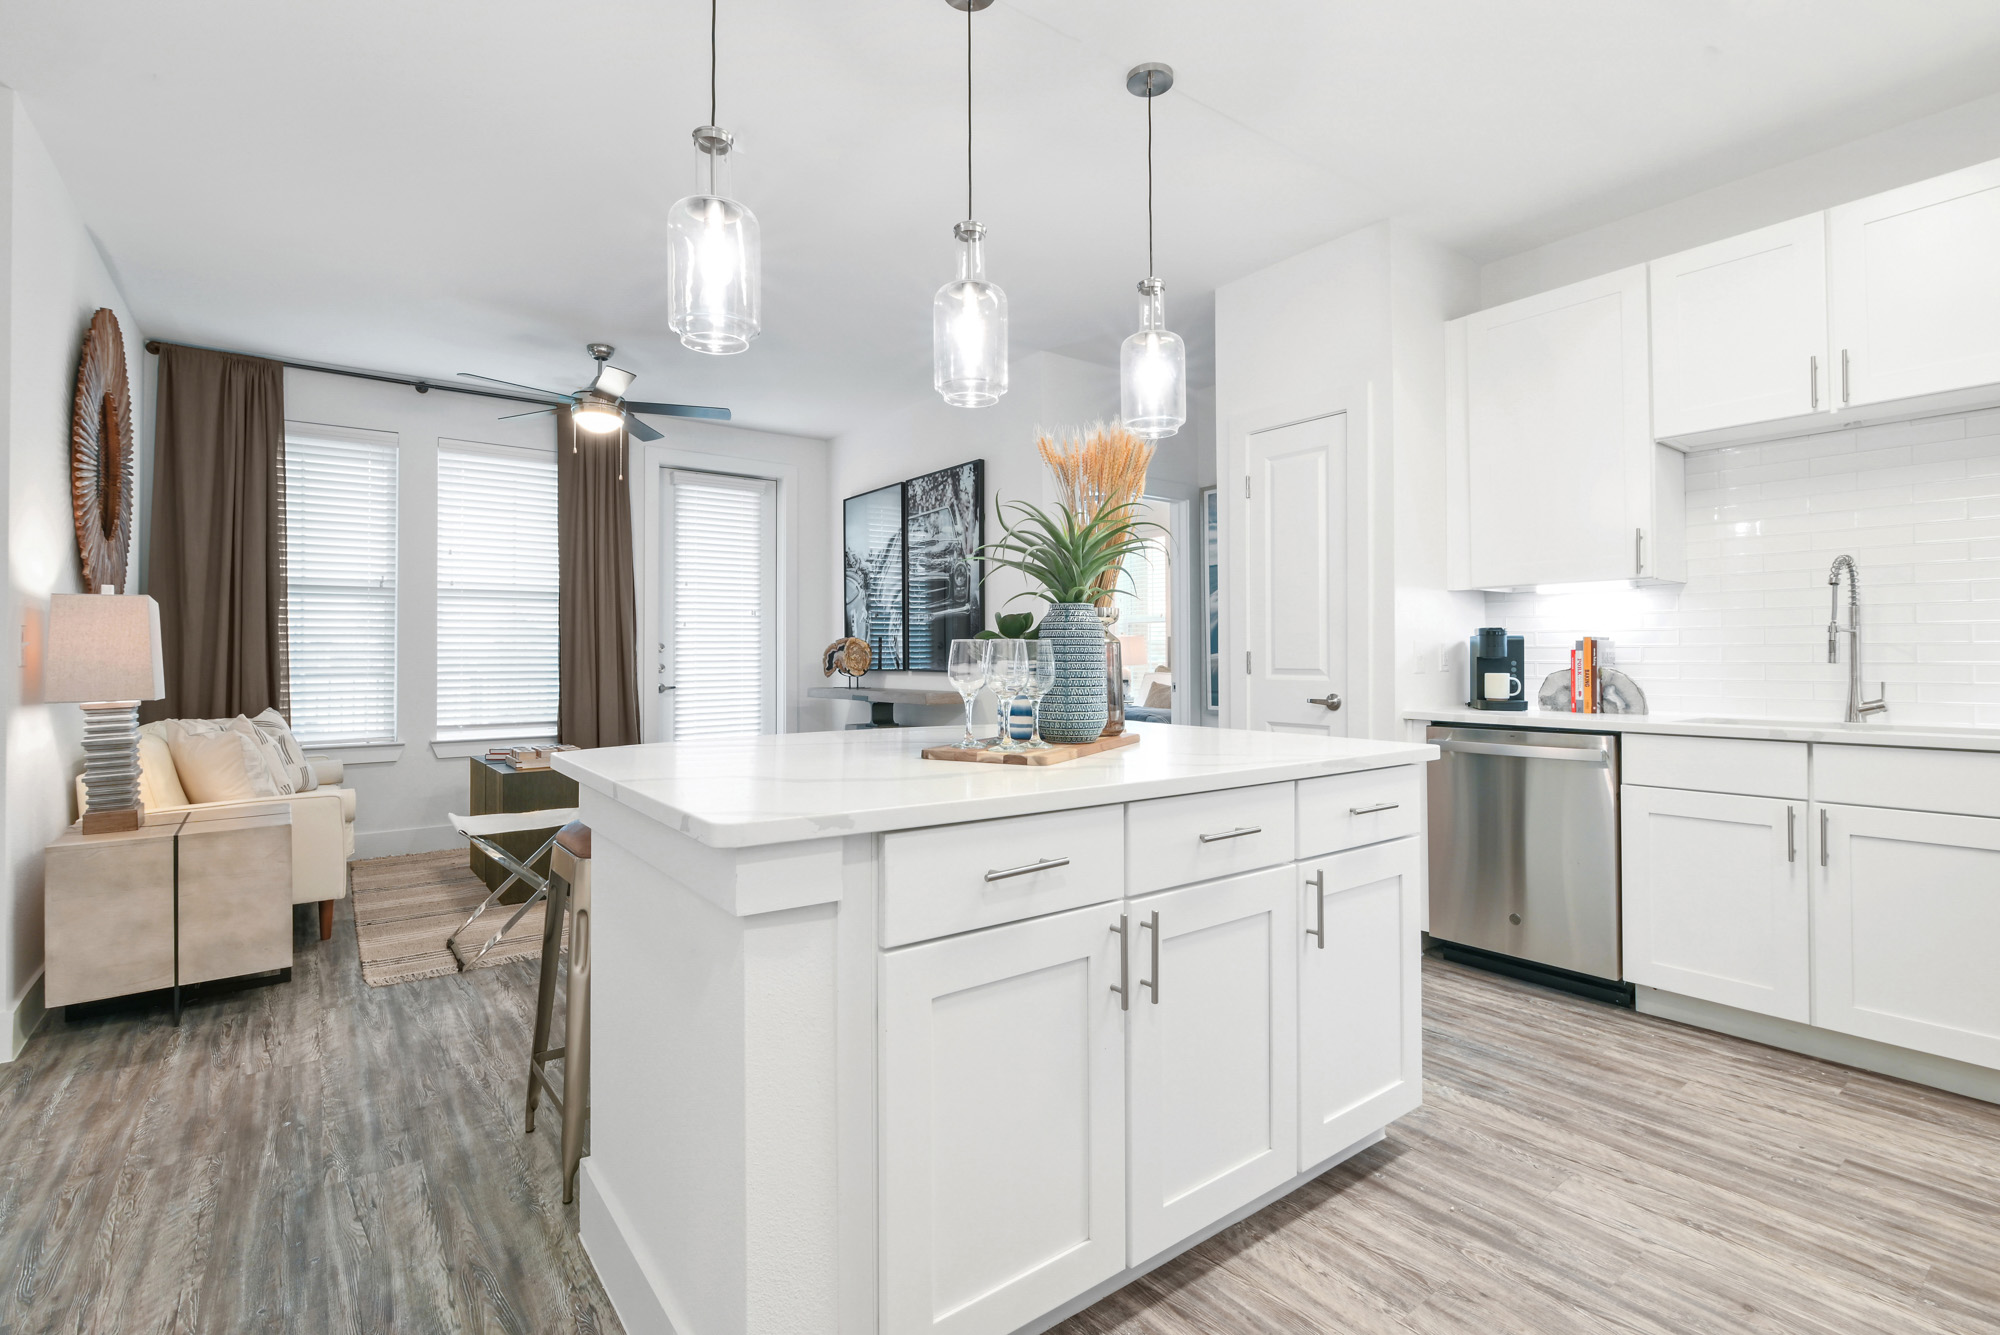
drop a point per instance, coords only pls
(1857, 708)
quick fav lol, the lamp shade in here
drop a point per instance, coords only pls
(104, 646)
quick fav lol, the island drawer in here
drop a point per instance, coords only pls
(1180, 840)
(1349, 810)
(955, 878)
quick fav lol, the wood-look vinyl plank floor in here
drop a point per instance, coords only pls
(323, 1156)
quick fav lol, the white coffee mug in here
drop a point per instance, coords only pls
(1501, 685)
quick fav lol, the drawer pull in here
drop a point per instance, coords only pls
(1046, 864)
(1236, 833)
(1369, 811)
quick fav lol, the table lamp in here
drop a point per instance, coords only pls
(104, 654)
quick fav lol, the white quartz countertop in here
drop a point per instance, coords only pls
(741, 792)
(1698, 725)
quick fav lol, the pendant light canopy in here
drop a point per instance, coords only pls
(969, 314)
(1152, 364)
(715, 260)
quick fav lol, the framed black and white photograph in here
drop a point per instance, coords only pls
(944, 527)
(873, 538)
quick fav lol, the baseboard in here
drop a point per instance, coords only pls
(28, 1014)
(396, 843)
(604, 1231)
(1975, 1082)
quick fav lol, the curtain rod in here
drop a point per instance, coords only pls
(153, 345)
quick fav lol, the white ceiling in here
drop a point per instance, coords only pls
(430, 187)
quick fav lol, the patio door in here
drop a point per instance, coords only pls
(716, 670)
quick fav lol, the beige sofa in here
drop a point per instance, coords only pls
(322, 819)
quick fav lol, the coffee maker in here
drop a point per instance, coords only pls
(1498, 661)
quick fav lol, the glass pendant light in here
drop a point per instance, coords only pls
(969, 314)
(1152, 364)
(715, 259)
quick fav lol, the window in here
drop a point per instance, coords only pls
(340, 560)
(1145, 602)
(496, 613)
(720, 605)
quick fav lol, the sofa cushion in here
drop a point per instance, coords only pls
(298, 771)
(218, 762)
(159, 784)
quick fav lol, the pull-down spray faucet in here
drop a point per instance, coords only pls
(1857, 708)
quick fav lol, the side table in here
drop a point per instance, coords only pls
(499, 788)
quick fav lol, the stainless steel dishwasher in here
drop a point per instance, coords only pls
(1524, 855)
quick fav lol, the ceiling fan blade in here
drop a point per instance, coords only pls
(640, 429)
(533, 412)
(678, 410)
(613, 381)
(494, 380)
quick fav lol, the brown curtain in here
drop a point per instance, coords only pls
(598, 698)
(216, 541)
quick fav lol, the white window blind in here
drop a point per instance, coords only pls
(496, 612)
(340, 559)
(721, 615)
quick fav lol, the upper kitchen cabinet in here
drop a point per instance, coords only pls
(1915, 278)
(1740, 333)
(1553, 474)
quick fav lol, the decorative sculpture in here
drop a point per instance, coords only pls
(101, 451)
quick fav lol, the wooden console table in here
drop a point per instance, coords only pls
(190, 897)
(882, 701)
(500, 788)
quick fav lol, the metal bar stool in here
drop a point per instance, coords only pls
(480, 831)
(568, 889)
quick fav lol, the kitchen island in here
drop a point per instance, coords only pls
(883, 1044)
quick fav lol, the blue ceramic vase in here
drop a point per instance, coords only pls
(1074, 709)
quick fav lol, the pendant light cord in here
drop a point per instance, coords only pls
(711, 60)
(968, 112)
(1149, 175)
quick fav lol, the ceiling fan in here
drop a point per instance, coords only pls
(601, 405)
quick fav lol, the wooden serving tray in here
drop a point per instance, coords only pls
(1055, 755)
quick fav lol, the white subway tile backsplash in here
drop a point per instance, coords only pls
(1917, 504)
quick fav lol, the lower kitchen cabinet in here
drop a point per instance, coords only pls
(1716, 901)
(1002, 1120)
(1903, 933)
(1360, 994)
(1214, 1055)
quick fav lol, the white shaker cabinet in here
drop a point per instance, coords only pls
(1553, 474)
(1740, 332)
(1214, 1055)
(1908, 910)
(1360, 1004)
(1915, 289)
(1716, 898)
(1002, 1113)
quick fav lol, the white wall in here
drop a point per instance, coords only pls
(54, 281)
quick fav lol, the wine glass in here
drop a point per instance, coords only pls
(1041, 680)
(1010, 674)
(970, 665)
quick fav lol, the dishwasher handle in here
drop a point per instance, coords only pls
(1582, 755)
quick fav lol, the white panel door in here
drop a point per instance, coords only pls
(1214, 1054)
(1360, 994)
(1296, 596)
(1558, 435)
(1908, 911)
(1002, 1123)
(1716, 902)
(1915, 287)
(1740, 330)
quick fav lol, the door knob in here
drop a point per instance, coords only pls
(1331, 701)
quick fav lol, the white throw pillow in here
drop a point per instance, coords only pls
(159, 784)
(298, 770)
(216, 762)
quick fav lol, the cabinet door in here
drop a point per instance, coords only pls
(1739, 330)
(1716, 903)
(1360, 995)
(1559, 442)
(1214, 1053)
(1915, 281)
(1903, 933)
(1002, 1123)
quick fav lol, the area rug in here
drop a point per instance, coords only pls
(406, 907)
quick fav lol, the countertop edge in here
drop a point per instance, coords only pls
(1774, 730)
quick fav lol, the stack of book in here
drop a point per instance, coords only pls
(1586, 681)
(525, 757)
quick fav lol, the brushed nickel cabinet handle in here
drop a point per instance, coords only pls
(1152, 924)
(1236, 833)
(1046, 864)
(1638, 551)
(1843, 376)
(1123, 987)
(1318, 930)
(1812, 367)
(1369, 811)
(1822, 836)
(1791, 834)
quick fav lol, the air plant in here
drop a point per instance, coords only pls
(1074, 560)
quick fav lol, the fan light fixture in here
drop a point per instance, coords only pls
(596, 413)
(715, 257)
(1152, 364)
(969, 314)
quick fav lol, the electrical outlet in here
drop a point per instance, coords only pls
(1444, 656)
